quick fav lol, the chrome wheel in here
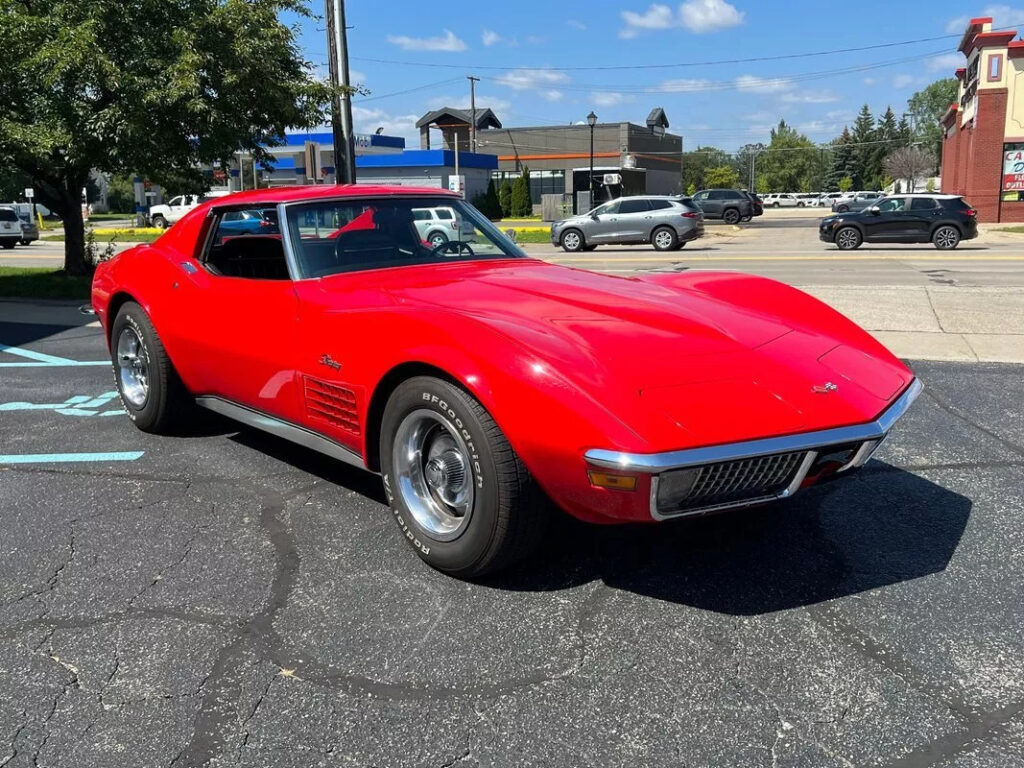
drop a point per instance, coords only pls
(663, 239)
(433, 473)
(848, 238)
(571, 241)
(946, 237)
(133, 367)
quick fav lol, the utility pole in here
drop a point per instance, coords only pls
(341, 112)
(472, 110)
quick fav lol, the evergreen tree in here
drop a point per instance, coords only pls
(904, 134)
(505, 198)
(887, 136)
(521, 204)
(842, 161)
(863, 150)
(492, 206)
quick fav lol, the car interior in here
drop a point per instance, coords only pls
(234, 253)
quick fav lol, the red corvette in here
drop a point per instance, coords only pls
(478, 381)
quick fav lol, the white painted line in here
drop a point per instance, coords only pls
(57, 458)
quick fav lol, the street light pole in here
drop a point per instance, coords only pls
(341, 117)
(591, 121)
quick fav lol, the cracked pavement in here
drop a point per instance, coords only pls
(229, 599)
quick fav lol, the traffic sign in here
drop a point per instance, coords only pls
(29, 192)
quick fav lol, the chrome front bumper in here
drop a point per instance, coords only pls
(867, 437)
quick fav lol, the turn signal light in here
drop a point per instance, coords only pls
(614, 482)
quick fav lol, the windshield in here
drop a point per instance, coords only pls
(355, 234)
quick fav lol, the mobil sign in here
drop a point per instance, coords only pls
(1013, 169)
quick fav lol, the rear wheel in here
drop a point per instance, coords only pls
(664, 239)
(731, 216)
(150, 389)
(159, 222)
(437, 239)
(572, 240)
(848, 238)
(458, 491)
(946, 238)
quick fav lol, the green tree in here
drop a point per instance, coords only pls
(722, 176)
(790, 162)
(747, 157)
(505, 198)
(840, 162)
(146, 86)
(845, 184)
(697, 163)
(862, 138)
(487, 202)
(887, 138)
(121, 194)
(926, 107)
(691, 190)
(521, 203)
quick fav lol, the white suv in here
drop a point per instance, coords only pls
(439, 225)
(163, 216)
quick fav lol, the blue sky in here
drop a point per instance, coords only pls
(523, 60)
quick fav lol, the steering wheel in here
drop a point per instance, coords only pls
(457, 247)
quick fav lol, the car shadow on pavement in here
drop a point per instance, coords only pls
(881, 527)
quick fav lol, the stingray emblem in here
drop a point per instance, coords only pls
(825, 388)
(326, 359)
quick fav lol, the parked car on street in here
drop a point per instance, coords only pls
(480, 383)
(783, 200)
(667, 223)
(943, 220)
(10, 228)
(855, 201)
(439, 225)
(757, 203)
(730, 205)
(29, 228)
(163, 216)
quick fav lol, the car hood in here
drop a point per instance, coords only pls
(679, 366)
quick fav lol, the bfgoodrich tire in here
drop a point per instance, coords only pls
(152, 393)
(460, 495)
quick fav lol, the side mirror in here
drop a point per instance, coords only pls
(593, 216)
(875, 210)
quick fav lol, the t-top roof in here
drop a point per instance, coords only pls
(313, 192)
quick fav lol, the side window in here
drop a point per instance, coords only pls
(701, 196)
(658, 205)
(612, 207)
(634, 206)
(717, 195)
(444, 213)
(893, 204)
(175, 200)
(247, 244)
(420, 215)
(923, 204)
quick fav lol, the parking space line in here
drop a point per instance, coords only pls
(57, 458)
(41, 360)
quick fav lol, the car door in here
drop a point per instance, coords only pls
(924, 213)
(604, 222)
(242, 310)
(889, 224)
(634, 220)
(704, 202)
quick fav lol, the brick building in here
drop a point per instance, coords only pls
(983, 143)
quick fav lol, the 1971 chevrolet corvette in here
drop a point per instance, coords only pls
(478, 381)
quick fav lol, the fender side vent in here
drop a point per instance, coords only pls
(331, 403)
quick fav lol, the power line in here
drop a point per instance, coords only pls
(408, 90)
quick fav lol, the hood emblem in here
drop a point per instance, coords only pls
(825, 388)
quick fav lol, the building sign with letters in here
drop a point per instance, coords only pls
(1013, 169)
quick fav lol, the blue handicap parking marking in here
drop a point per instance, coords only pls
(57, 458)
(76, 405)
(33, 359)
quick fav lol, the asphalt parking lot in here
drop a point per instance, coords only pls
(229, 599)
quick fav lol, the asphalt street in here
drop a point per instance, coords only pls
(227, 599)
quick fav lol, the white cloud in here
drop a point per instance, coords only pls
(809, 97)
(902, 81)
(490, 37)
(755, 84)
(535, 39)
(840, 115)
(369, 120)
(813, 126)
(698, 16)
(685, 84)
(762, 116)
(552, 94)
(764, 128)
(947, 61)
(483, 101)
(525, 79)
(1002, 16)
(576, 24)
(702, 16)
(606, 98)
(356, 77)
(447, 42)
(869, 81)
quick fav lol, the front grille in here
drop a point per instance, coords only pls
(727, 483)
(332, 403)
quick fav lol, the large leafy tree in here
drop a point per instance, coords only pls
(926, 107)
(154, 87)
(723, 176)
(697, 162)
(791, 163)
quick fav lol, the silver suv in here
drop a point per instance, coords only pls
(10, 228)
(667, 223)
(439, 225)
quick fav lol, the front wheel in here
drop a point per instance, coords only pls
(664, 239)
(437, 239)
(946, 238)
(572, 240)
(731, 216)
(457, 489)
(150, 389)
(848, 238)
(159, 222)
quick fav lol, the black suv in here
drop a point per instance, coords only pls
(730, 205)
(943, 220)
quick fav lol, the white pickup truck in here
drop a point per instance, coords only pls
(163, 216)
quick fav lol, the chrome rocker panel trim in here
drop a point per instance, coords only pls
(804, 441)
(296, 434)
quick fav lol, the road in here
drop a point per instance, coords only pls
(224, 598)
